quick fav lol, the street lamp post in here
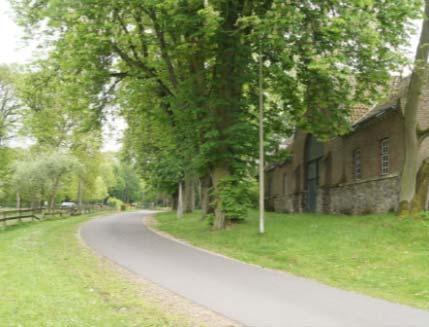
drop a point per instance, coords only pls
(261, 150)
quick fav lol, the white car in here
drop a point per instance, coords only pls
(68, 205)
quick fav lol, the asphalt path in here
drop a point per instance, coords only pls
(248, 294)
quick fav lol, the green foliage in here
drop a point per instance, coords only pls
(10, 106)
(127, 185)
(115, 203)
(185, 73)
(236, 196)
(4, 170)
(41, 177)
(280, 156)
(60, 115)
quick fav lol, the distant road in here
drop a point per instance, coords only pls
(250, 295)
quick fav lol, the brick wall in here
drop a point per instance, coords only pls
(339, 192)
(367, 139)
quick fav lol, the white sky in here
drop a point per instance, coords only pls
(14, 50)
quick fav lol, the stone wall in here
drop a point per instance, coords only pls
(363, 197)
(290, 203)
(377, 195)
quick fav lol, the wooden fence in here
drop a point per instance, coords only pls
(40, 213)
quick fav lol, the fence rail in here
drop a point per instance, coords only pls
(39, 213)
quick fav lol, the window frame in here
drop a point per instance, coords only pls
(284, 185)
(384, 157)
(357, 164)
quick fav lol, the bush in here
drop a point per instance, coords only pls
(114, 202)
(236, 195)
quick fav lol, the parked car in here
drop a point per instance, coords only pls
(68, 205)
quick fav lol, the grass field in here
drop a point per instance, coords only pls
(47, 278)
(379, 255)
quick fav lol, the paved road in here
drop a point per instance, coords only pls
(245, 293)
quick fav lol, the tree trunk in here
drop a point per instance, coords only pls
(175, 200)
(204, 198)
(218, 174)
(422, 186)
(54, 193)
(18, 201)
(180, 202)
(193, 196)
(79, 194)
(187, 193)
(417, 82)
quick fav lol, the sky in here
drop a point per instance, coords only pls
(14, 50)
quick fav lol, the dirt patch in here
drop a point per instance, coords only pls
(193, 314)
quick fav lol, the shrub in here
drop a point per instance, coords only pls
(114, 202)
(236, 195)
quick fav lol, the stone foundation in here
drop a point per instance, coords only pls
(288, 203)
(362, 197)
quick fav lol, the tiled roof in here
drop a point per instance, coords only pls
(377, 111)
(399, 89)
(358, 112)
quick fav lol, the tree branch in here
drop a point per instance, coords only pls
(129, 41)
(138, 64)
(141, 30)
(422, 134)
(163, 47)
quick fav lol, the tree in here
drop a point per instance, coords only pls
(9, 105)
(415, 174)
(127, 186)
(197, 60)
(62, 117)
(42, 177)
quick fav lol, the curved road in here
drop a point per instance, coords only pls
(248, 294)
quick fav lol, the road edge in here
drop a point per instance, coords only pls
(175, 301)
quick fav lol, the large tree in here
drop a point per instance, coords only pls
(415, 174)
(197, 58)
(40, 177)
(10, 108)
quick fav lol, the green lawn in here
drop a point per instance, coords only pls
(379, 255)
(47, 278)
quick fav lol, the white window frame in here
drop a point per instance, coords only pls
(385, 157)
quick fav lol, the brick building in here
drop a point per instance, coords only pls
(356, 173)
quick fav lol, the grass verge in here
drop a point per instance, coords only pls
(48, 278)
(379, 255)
